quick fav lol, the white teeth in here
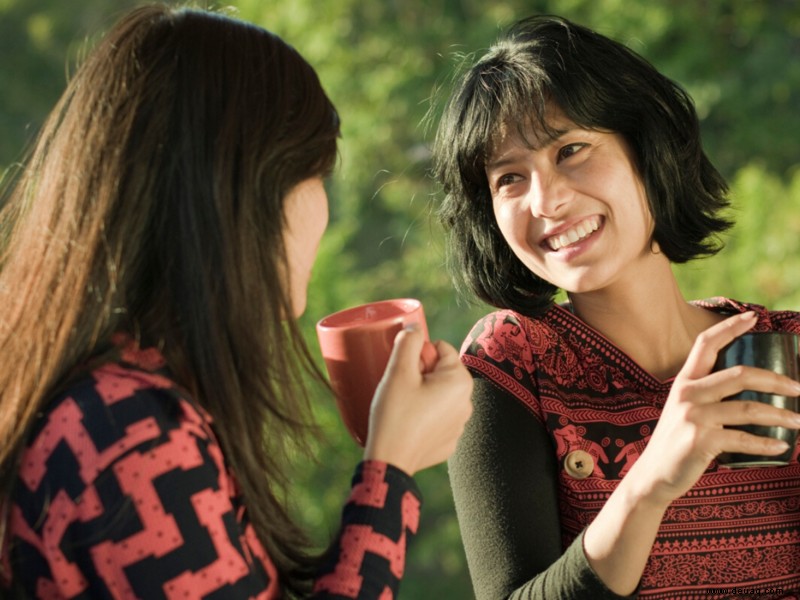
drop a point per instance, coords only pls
(580, 231)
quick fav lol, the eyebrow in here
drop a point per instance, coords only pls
(553, 135)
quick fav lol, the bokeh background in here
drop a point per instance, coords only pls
(387, 64)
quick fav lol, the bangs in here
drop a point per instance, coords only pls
(500, 94)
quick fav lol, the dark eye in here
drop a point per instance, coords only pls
(569, 150)
(507, 179)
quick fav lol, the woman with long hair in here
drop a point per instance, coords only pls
(155, 252)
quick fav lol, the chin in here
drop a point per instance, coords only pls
(298, 310)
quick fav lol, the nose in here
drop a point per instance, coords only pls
(547, 194)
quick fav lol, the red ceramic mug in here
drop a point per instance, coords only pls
(356, 344)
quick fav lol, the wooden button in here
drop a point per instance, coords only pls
(579, 464)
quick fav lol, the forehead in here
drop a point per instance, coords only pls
(533, 133)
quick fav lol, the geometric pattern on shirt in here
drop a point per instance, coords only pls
(124, 492)
(372, 549)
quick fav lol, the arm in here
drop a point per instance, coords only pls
(140, 494)
(504, 477)
(416, 418)
(690, 433)
(692, 430)
(380, 517)
(164, 515)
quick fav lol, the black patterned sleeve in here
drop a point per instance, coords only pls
(124, 493)
(367, 560)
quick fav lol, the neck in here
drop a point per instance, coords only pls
(648, 319)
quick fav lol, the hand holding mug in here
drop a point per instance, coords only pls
(417, 418)
(356, 345)
(695, 426)
(775, 351)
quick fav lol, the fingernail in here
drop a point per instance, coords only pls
(748, 315)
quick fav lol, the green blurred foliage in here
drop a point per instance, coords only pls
(387, 65)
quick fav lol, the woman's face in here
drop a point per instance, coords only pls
(306, 213)
(572, 208)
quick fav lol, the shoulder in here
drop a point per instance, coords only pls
(118, 399)
(107, 414)
(508, 335)
(123, 469)
(785, 320)
(507, 349)
(768, 320)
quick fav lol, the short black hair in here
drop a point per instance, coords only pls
(599, 84)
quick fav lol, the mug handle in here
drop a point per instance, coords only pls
(429, 357)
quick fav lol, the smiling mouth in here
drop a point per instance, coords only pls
(579, 232)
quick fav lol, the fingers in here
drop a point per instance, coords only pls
(748, 412)
(410, 345)
(741, 442)
(720, 430)
(428, 358)
(448, 355)
(708, 344)
(416, 419)
(730, 382)
(696, 426)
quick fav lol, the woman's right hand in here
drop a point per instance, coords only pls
(692, 431)
(417, 415)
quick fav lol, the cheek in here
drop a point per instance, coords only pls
(645, 215)
(512, 223)
(515, 225)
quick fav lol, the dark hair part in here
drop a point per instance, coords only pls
(598, 84)
(153, 203)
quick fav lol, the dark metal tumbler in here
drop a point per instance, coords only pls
(775, 351)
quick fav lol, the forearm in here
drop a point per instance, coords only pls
(619, 540)
(571, 577)
(504, 477)
(381, 516)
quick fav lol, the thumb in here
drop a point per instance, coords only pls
(407, 349)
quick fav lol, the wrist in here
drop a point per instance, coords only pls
(399, 460)
(617, 544)
(643, 492)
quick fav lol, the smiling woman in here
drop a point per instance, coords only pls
(548, 198)
(589, 467)
(527, 92)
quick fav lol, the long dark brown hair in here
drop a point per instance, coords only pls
(153, 203)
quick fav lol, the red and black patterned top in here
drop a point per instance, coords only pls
(561, 415)
(124, 492)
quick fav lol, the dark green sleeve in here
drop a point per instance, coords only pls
(504, 477)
